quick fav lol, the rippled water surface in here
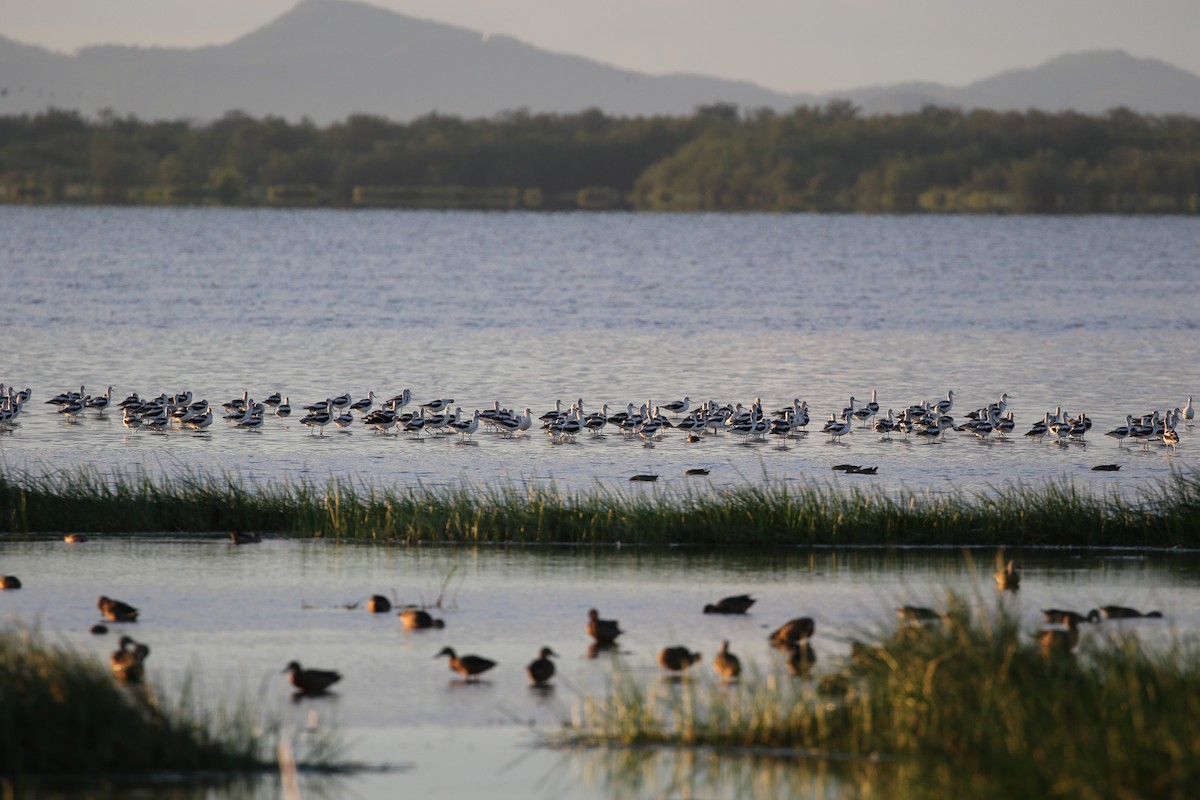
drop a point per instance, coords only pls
(231, 618)
(1099, 315)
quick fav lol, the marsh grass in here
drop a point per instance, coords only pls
(62, 714)
(1164, 515)
(968, 706)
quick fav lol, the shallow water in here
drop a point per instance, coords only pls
(229, 618)
(1091, 313)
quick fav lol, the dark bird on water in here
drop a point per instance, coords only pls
(378, 604)
(737, 604)
(1009, 578)
(794, 630)
(1058, 616)
(312, 682)
(128, 660)
(416, 619)
(541, 669)
(467, 666)
(604, 631)
(801, 658)
(1120, 612)
(677, 658)
(1106, 468)
(696, 471)
(10, 582)
(242, 537)
(116, 611)
(726, 664)
(643, 477)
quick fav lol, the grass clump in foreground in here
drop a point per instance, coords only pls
(63, 714)
(1165, 515)
(966, 707)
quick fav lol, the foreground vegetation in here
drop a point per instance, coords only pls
(811, 159)
(63, 714)
(1165, 515)
(969, 706)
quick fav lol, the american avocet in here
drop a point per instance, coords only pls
(317, 420)
(837, 429)
(944, 406)
(273, 400)
(341, 401)
(364, 405)
(399, 401)
(343, 421)
(415, 423)
(465, 428)
(678, 406)
(200, 424)
(437, 406)
(873, 406)
(284, 409)
(102, 402)
(1005, 425)
(886, 425)
(1189, 411)
(1120, 432)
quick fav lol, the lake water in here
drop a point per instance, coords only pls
(1096, 314)
(231, 617)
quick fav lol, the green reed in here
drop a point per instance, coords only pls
(62, 713)
(968, 706)
(1164, 514)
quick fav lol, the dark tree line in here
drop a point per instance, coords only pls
(826, 158)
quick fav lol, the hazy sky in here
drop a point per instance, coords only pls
(790, 45)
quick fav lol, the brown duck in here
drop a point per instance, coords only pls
(801, 658)
(378, 604)
(917, 614)
(416, 619)
(116, 611)
(10, 582)
(541, 669)
(726, 664)
(1009, 578)
(242, 537)
(738, 604)
(467, 666)
(128, 660)
(604, 631)
(75, 538)
(312, 682)
(1060, 642)
(792, 631)
(677, 659)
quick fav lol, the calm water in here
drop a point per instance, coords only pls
(232, 617)
(1095, 314)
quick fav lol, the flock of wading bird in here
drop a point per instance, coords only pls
(928, 421)
(793, 637)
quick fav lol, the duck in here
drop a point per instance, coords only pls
(1058, 616)
(467, 666)
(541, 669)
(1060, 641)
(801, 658)
(677, 658)
(917, 614)
(1120, 612)
(415, 619)
(737, 604)
(1009, 578)
(378, 604)
(795, 630)
(311, 682)
(241, 537)
(604, 631)
(116, 611)
(128, 660)
(726, 664)
(10, 582)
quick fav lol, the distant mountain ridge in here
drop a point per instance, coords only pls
(328, 59)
